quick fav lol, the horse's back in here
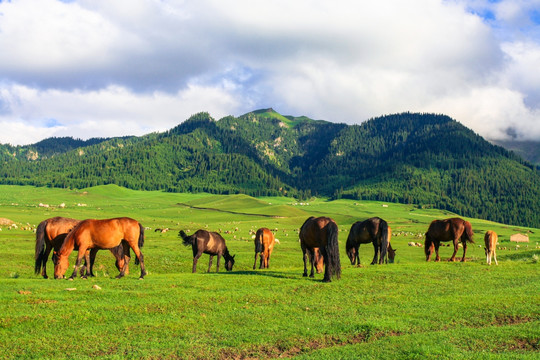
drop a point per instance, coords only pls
(210, 242)
(490, 239)
(57, 226)
(107, 233)
(267, 238)
(314, 232)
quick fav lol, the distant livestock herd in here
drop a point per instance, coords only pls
(318, 241)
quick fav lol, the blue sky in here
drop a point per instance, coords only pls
(101, 68)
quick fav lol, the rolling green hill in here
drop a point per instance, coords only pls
(424, 159)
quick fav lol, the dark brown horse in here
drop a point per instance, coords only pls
(322, 233)
(123, 233)
(264, 244)
(373, 230)
(50, 235)
(454, 229)
(206, 242)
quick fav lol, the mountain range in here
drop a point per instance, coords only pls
(429, 160)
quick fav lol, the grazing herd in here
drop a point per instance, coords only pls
(318, 241)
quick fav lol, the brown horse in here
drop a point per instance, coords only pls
(50, 235)
(264, 244)
(373, 230)
(210, 243)
(454, 229)
(123, 233)
(321, 233)
(490, 240)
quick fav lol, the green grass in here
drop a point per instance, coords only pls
(410, 309)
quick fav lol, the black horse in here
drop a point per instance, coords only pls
(321, 233)
(210, 243)
(373, 230)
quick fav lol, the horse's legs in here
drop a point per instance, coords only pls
(90, 269)
(312, 261)
(196, 257)
(80, 255)
(436, 245)
(48, 248)
(464, 250)
(357, 254)
(324, 254)
(376, 253)
(456, 247)
(494, 256)
(121, 260)
(255, 261)
(210, 263)
(140, 257)
(218, 261)
(304, 253)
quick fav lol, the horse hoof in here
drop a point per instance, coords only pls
(141, 278)
(70, 279)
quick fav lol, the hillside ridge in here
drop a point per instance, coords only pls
(429, 160)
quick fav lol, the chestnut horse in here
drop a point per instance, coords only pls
(50, 235)
(454, 229)
(373, 230)
(490, 240)
(123, 233)
(210, 243)
(321, 233)
(264, 244)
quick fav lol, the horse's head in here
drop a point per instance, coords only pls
(319, 260)
(229, 262)
(391, 254)
(61, 264)
(351, 253)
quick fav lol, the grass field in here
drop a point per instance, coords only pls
(410, 309)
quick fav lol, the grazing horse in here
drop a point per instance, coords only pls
(454, 229)
(373, 230)
(490, 240)
(321, 233)
(264, 244)
(50, 235)
(123, 233)
(210, 243)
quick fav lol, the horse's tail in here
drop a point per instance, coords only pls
(40, 246)
(383, 228)
(187, 240)
(332, 251)
(141, 242)
(468, 231)
(259, 241)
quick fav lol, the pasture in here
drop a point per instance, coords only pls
(409, 309)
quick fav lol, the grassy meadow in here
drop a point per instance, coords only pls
(407, 310)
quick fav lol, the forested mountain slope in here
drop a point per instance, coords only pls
(424, 159)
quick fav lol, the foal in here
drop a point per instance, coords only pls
(490, 239)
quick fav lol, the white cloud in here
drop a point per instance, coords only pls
(110, 68)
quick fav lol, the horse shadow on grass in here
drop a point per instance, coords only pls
(274, 274)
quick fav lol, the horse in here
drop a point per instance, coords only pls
(373, 230)
(121, 233)
(490, 240)
(454, 229)
(321, 233)
(210, 243)
(264, 244)
(50, 234)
